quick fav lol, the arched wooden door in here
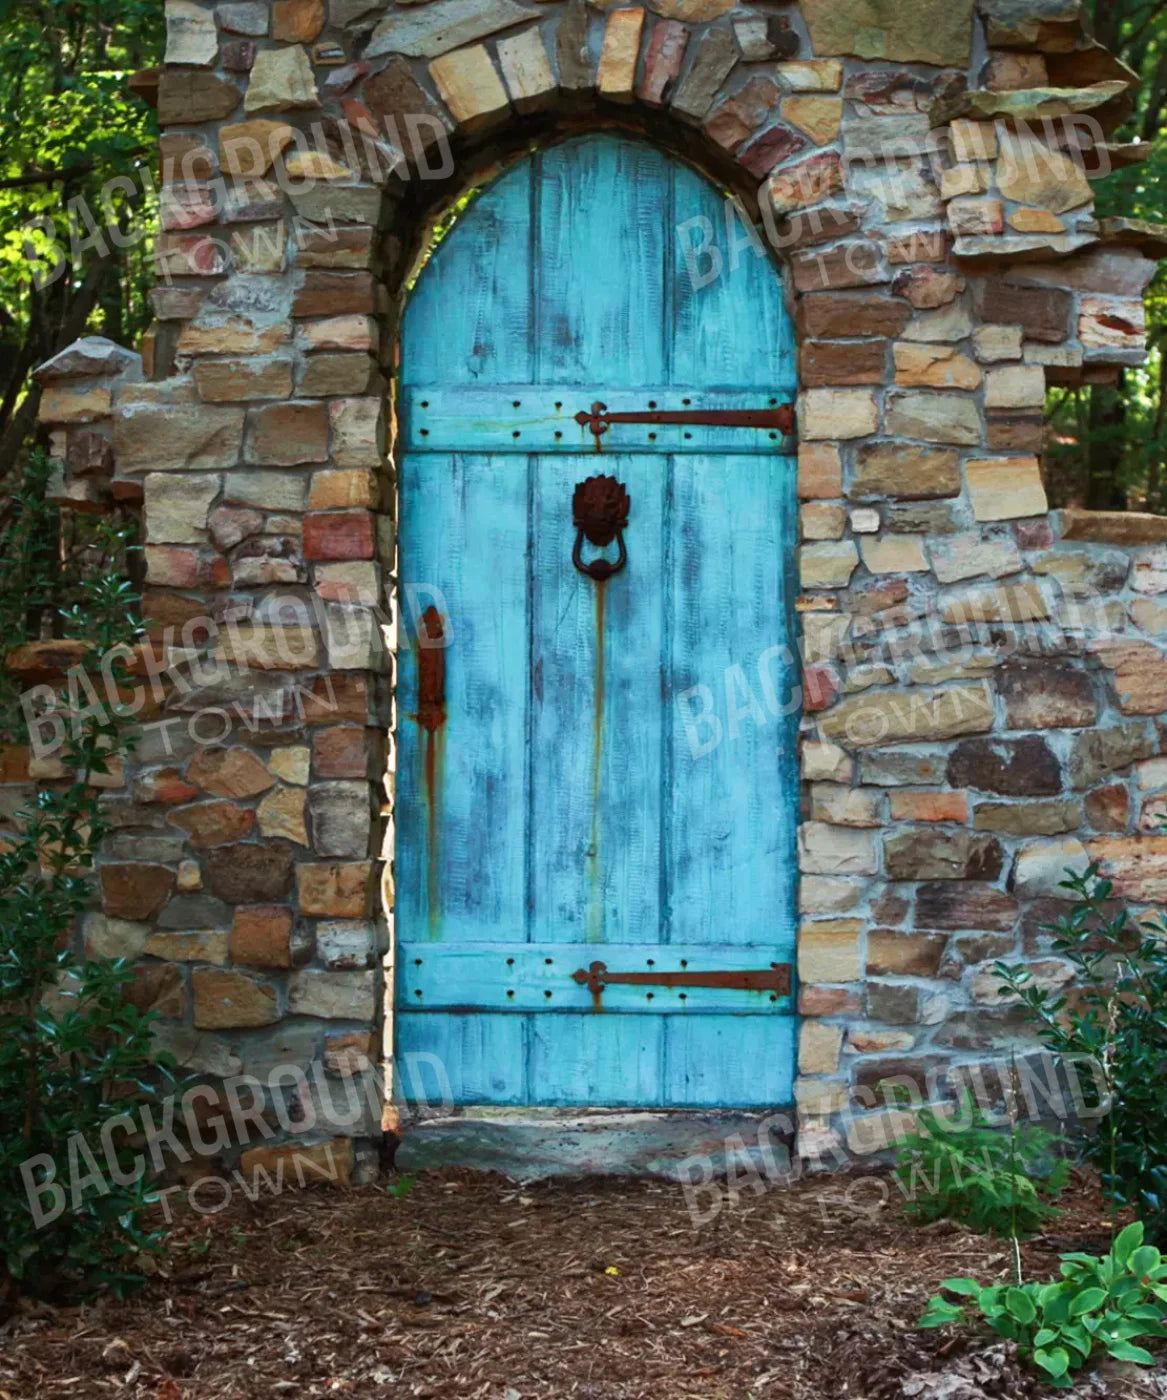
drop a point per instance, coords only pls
(564, 816)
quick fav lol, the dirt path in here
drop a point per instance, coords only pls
(470, 1287)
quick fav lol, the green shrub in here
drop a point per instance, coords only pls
(967, 1171)
(74, 1053)
(1099, 1308)
(1115, 1018)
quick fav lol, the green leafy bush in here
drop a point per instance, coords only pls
(1099, 1308)
(75, 1055)
(1115, 1017)
(966, 1170)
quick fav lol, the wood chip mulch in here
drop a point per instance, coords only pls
(469, 1286)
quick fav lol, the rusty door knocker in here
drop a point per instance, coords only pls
(599, 511)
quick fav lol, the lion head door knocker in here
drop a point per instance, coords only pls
(599, 511)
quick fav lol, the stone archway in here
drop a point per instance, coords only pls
(912, 186)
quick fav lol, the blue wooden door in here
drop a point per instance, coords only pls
(561, 798)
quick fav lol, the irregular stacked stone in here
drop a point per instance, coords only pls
(984, 680)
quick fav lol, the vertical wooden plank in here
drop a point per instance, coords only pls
(734, 789)
(595, 801)
(596, 1059)
(709, 1058)
(599, 289)
(464, 549)
(470, 318)
(731, 327)
(444, 1058)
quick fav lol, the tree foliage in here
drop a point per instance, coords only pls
(76, 193)
(1108, 443)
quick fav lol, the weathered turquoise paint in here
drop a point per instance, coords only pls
(566, 812)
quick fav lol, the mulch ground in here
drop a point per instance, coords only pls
(469, 1286)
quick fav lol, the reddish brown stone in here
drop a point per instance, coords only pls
(1011, 768)
(394, 98)
(249, 873)
(922, 854)
(233, 772)
(771, 149)
(1108, 809)
(13, 763)
(335, 294)
(828, 1001)
(1044, 313)
(849, 265)
(261, 935)
(842, 362)
(288, 434)
(297, 21)
(1015, 432)
(336, 699)
(823, 225)
(225, 999)
(335, 889)
(890, 908)
(893, 1004)
(339, 534)
(929, 806)
(214, 823)
(918, 248)
(913, 1073)
(959, 907)
(1046, 695)
(136, 892)
(663, 59)
(157, 987)
(340, 752)
(1033, 534)
(928, 288)
(162, 608)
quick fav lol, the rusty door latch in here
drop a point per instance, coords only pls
(780, 418)
(775, 979)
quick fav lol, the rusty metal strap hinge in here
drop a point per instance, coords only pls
(780, 418)
(775, 979)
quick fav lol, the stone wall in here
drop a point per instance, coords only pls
(982, 679)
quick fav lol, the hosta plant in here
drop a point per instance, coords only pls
(1100, 1307)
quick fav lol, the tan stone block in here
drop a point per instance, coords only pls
(1112, 323)
(818, 1048)
(228, 999)
(1015, 603)
(844, 806)
(894, 554)
(470, 87)
(196, 945)
(1015, 386)
(820, 118)
(264, 646)
(236, 381)
(993, 344)
(282, 813)
(868, 721)
(617, 71)
(812, 75)
(827, 894)
(1005, 488)
(879, 1132)
(281, 80)
(291, 765)
(824, 762)
(827, 565)
(1036, 221)
(346, 996)
(358, 431)
(820, 471)
(865, 1042)
(972, 141)
(526, 69)
(934, 417)
(835, 850)
(232, 335)
(75, 403)
(1030, 172)
(961, 180)
(976, 218)
(946, 325)
(819, 1097)
(355, 581)
(340, 490)
(248, 150)
(834, 414)
(934, 367)
(822, 522)
(828, 951)
(288, 434)
(906, 473)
